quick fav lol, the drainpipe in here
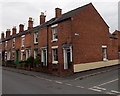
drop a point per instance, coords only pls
(47, 47)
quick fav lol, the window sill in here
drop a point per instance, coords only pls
(22, 46)
(55, 40)
(35, 43)
(105, 60)
(55, 62)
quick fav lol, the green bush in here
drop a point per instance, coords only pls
(10, 63)
(37, 62)
(30, 61)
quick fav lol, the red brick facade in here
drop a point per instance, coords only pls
(82, 31)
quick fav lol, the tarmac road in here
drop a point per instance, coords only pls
(16, 83)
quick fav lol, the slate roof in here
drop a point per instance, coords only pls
(68, 15)
(52, 21)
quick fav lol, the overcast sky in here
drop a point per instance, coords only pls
(15, 12)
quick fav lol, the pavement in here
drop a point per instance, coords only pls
(100, 81)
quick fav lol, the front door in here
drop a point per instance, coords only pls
(67, 58)
(17, 57)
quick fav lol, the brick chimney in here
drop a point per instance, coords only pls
(14, 30)
(58, 12)
(8, 33)
(21, 28)
(42, 18)
(2, 35)
(30, 23)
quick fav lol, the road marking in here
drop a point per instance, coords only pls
(80, 86)
(115, 91)
(109, 93)
(99, 88)
(108, 82)
(95, 89)
(68, 84)
(59, 82)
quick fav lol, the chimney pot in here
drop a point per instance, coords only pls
(30, 18)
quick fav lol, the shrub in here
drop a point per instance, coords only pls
(30, 61)
(10, 63)
(37, 62)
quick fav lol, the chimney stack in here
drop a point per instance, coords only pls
(58, 12)
(21, 28)
(30, 23)
(14, 30)
(2, 35)
(42, 18)
(8, 33)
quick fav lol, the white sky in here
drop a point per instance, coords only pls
(15, 12)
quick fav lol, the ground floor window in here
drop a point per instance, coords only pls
(104, 52)
(35, 53)
(22, 54)
(28, 53)
(55, 55)
(13, 55)
(44, 56)
(5, 55)
(0, 56)
(67, 57)
(8, 55)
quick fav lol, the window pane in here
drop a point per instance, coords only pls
(55, 33)
(55, 54)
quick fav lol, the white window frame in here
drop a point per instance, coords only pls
(12, 55)
(53, 61)
(0, 56)
(8, 55)
(42, 56)
(5, 55)
(28, 53)
(22, 54)
(35, 36)
(6, 44)
(35, 51)
(105, 50)
(53, 32)
(65, 58)
(13, 43)
(22, 39)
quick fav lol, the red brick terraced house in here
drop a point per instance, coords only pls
(75, 41)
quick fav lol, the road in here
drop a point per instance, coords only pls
(16, 83)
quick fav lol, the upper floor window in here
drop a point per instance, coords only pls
(13, 43)
(35, 37)
(54, 32)
(22, 41)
